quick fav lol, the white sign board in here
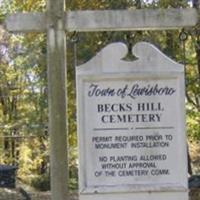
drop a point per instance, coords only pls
(131, 125)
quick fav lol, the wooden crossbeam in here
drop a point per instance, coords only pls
(108, 20)
(26, 22)
(143, 19)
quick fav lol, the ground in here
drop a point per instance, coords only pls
(8, 194)
(15, 194)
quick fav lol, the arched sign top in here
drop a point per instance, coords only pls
(149, 59)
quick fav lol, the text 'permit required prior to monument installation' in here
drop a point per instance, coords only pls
(131, 122)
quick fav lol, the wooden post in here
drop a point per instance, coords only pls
(56, 42)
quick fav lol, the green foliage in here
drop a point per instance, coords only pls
(23, 97)
(42, 182)
(23, 83)
(193, 121)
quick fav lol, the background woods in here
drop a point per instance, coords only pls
(23, 82)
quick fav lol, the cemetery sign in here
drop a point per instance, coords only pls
(131, 124)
